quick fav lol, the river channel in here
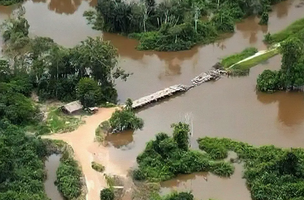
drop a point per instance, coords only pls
(229, 107)
(51, 166)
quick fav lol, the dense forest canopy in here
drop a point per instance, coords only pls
(21, 165)
(86, 72)
(54, 71)
(174, 25)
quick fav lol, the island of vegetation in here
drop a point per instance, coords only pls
(174, 25)
(166, 157)
(271, 173)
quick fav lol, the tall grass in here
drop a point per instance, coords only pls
(230, 60)
(256, 60)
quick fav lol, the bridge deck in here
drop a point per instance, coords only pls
(159, 95)
(204, 77)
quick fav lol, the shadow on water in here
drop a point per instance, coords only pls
(67, 7)
(290, 106)
(51, 166)
(121, 140)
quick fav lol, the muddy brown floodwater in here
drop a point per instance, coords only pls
(229, 107)
(51, 166)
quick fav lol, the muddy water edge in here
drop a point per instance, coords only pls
(229, 107)
(51, 166)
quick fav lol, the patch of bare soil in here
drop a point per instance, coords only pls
(86, 151)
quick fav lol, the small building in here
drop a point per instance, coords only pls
(93, 109)
(72, 107)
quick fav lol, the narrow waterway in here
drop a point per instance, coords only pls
(51, 166)
(229, 107)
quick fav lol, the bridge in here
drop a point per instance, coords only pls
(167, 92)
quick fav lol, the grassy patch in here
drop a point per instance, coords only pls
(230, 60)
(57, 121)
(97, 166)
(256, 60)
(295, 29)
(145, 190)
(101, 131)
(99, 134)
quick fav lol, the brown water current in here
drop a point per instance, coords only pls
(229, 107)
(51, 166)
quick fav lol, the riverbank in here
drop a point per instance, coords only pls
(249, 57)
(255, 59)
(86, 151)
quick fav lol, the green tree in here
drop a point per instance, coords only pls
(122, 120)
(267, 81)
(181, 133)
(264, 19)
(5, 71)
(88, 92)
(291, 50)
(129, 104)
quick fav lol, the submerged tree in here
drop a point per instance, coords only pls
(264, 19)
(181, 132)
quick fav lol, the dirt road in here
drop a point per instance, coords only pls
(86, 150)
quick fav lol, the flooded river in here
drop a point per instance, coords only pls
(229, 107)
(51, 166)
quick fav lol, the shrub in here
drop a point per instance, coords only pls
(138, 175)
(68, 177)
(268, 81)
(98, 167)
(179, 196)
(106, 194)
(264, 19)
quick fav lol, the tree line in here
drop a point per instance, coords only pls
(174, 25)
(291, 74)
